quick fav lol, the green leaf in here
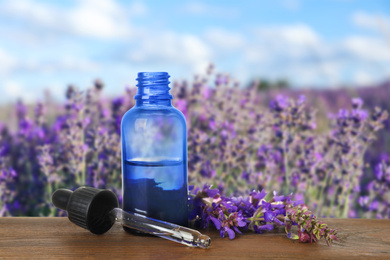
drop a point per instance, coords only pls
(292, 236)
(269, 197)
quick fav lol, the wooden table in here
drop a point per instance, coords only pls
(54, 238)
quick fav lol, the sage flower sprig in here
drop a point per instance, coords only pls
(259, 212)
(310, 229)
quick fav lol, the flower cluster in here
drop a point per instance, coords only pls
(259, 212)
(79, 147)
(374, 202)
(239, 139)
(309, 228)
(236, 145)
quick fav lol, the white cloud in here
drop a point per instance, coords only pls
(256, 54)
(298, 53)
(224, 39)
(366, 49)
(7, 62)
(287, 44)
(97, 19)
(294, 52)
(171, 49)
(331, 70)
(10, 64)
(62, 64)
(375, 22)
(137, 9)
(363, 78)
(292, 5)
(13, 91)
(102, 19)
(198, 8)
(298, 34)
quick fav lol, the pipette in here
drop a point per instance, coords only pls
(97, 210)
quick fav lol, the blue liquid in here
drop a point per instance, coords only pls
(156, 188)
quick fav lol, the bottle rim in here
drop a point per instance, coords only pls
(153, 85)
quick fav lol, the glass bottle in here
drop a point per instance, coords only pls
(154, 153)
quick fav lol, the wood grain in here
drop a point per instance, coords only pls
(58, 238)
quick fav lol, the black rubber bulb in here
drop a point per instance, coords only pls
(87, 207)
(60, 198)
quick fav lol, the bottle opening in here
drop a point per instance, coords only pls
(153, 79)
(153, 85)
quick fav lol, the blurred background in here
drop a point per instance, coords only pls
(239, 72)
(309, 44)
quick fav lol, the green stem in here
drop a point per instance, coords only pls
(83, 170)
(255, 215)
(332, 201)
(285, 161)
(345, 210)
(49, 192)
(351, 181)
(327, 182)
(321, 193)
(83, 163)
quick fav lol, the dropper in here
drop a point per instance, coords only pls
(97, 210)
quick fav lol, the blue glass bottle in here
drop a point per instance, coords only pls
(154, 153)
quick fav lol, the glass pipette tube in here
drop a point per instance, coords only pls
(170, 231)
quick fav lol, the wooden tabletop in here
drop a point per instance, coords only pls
(55, 238)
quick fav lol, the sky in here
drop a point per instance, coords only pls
(316, 44)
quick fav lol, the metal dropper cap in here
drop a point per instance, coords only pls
(87, 207)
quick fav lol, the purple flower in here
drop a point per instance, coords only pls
(212, 125)
(374, 205)
(181, 104)
(266, 227)
(230, 232)
(379, 171)
(9, 173)
(24, 126)
(207, 170)
(343, 114)
(269, 216)
(359, 115)
(357, 103)
(257, 196)
(221, 79)
(210, 192)
(216, 222)
(206, 93)
(21, 110)
(245, 175)
(5, 149)
(240, 220)
(280, 103)
(279, 198)
(117, 103)
(301, 100)
(298, 199)
(363, 200)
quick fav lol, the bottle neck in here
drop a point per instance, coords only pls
(161, 102)
(153, 89)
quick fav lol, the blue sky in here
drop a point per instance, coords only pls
(50, 44)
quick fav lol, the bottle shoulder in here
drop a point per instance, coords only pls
(138, 112)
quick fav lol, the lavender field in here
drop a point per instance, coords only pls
(330, 148)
